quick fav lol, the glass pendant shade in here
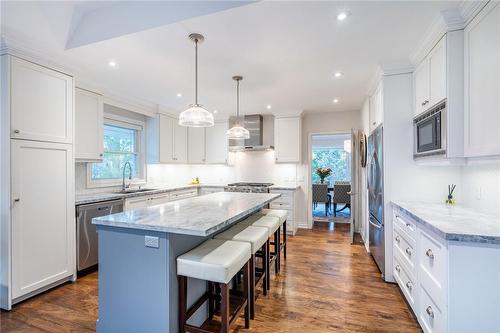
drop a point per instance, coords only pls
(237, 132)
(196, 116)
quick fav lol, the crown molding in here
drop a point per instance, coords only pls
(288, 114)
(387, 69)
(447, 20)
(469, 9)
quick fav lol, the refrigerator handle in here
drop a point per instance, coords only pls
(376, 225)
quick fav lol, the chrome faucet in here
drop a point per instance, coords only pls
(124, 187)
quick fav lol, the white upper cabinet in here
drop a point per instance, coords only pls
(166, 140)
(376, 109)
(208, 145)
(41, 102)
(482, 83)
(429, 78)
(287, 139)
(196, 145)
(43, 214)
(216, 143)
(88, 125)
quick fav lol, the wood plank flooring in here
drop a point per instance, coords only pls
(326, 285)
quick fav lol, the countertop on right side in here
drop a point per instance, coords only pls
(454, 222)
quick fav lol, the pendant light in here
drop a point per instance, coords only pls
(196, 115)
(237, 131)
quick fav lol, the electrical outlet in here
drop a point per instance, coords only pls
(151, 241)
(479, 192)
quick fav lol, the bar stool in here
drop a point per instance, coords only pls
(258, 238)
(282, 215)
(273, 225)
(216, 261)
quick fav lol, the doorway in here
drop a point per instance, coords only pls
(331, 170)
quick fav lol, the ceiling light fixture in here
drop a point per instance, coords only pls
(338, 74)
(215, 111)
(268, 107)
(335, 100)
(112, 63)
(196, 115)
(342, 16)
(237, 131)
(179, 95)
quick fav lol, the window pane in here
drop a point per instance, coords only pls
(119, 139)
(335, 158)
(112, 166)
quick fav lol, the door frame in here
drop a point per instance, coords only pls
(309, 176)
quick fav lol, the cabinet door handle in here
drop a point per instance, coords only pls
(409, 285)
(408, 225)
(398, 239)
(398, 268)
(429, 311)
(429, 254)
(374, 123)
(408, 251)
(101, 155)
(17, 200)
(16, 131)
(422, 104)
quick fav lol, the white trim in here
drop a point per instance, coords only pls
(140, 127)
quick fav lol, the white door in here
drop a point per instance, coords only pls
(41, 103)
(43, 214)
(88, 125)
(437, 73)
(421, 84)
(482, 83)
(180, 143)
(216, 143)
(196, 145)
(166, 139)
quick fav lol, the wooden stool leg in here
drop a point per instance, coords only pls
(284, 240)
(251, 300)
(182, 281)
(276, 251)
(224, 307)
(268, 268)
(247, 290)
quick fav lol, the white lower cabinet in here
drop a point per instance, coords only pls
(209, 190)
(288, 202)
(144, 201)
(451, 286)
(42, 215)
(183, 194)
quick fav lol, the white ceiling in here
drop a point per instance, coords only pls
(287, 52)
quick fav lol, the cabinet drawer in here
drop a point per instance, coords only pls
(177, 195)
(406, 249)
(286, 196)
(136, 203)
(432, 317)
(158, 199)
(405, 281)
(432, 258)
(406, 225)
(281, 205)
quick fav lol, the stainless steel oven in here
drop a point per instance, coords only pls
(430, 132)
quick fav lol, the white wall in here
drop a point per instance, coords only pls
(481, 187)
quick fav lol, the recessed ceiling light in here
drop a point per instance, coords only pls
(338, 74)
(342, 16)
(179, 95)
(268, 107)
(215, 111)
(112, 63)
(335, 101)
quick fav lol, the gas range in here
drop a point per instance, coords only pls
(248, 187)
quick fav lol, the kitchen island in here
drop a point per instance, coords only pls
(138, 251)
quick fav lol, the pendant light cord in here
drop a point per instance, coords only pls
(196, 71)
(238, 100)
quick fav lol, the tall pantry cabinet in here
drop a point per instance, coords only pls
(37, 179)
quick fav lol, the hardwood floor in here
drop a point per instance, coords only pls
(326, 285)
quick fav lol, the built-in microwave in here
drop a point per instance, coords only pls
(430, 132)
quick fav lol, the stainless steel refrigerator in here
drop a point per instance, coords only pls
(376, 198)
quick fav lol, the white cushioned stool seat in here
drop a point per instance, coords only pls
(279, 213)
(258, 220)
(215, 260)
(256, 236)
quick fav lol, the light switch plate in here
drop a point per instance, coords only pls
(151, 241)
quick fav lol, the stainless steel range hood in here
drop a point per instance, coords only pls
(261, 134)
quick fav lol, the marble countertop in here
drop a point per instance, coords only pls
(455, 223)
(285, 187)
(198, 216)
(81, 199)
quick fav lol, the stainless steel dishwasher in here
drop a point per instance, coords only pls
(86, 233)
